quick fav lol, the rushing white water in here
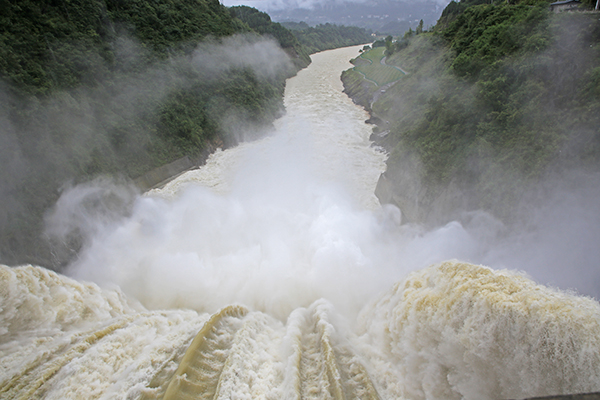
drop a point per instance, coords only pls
(269, 273)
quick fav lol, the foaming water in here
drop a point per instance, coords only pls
(458, 330)
(273, 224)
(267, 274)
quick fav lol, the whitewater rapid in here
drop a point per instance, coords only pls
(273, 273)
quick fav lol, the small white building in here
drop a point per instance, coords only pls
(566, 5)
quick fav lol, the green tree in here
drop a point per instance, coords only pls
(389, 46)
(419, 28)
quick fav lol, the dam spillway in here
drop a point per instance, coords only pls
(448, 331)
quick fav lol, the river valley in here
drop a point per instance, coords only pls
(274, 273)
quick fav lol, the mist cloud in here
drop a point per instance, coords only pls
(264, 56)
(110, 122)
(281, 236)
(285, 230)
(556, 241)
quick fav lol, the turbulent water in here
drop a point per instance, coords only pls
(273, 273)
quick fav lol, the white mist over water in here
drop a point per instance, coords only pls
(289, 228)
(274, 224)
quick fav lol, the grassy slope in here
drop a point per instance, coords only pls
(369, 64)
(369, 76)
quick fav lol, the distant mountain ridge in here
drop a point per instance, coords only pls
(386, 17)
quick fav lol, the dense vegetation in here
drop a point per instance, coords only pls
(497, 97)
(261, 22)
(372, 64)
(111, 87)
(49, 45)
(327, 36)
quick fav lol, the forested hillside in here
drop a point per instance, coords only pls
(328, 36)
(92, 88)
(498, 99)
(260, 22)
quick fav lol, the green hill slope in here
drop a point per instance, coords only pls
(118, 88)
(497, 97)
